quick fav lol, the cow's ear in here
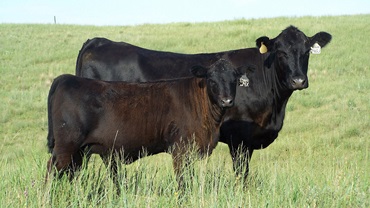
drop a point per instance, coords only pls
(263, 44)
(321, 38)
(199, 71)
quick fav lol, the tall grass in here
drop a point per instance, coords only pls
(321, 158)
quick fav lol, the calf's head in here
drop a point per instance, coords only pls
(289, 52)
(221, 79)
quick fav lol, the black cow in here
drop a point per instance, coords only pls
(257, 117)
(87, 116)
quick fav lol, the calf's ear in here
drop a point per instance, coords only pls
(199, 71)
(321, 38)
(264, 44)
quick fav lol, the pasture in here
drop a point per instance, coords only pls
(320, 159)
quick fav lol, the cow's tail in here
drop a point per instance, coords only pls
(79, 57)
(90, 43)
(50, 138)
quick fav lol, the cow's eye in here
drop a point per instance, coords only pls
(212, 83)
(282, 54)
(234, 81)
(213, 86)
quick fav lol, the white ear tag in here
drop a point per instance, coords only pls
(244, 81)
(316, 49)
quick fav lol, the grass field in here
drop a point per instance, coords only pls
(321, 158)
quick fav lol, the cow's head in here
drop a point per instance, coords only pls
(221, 78)
(289, 53)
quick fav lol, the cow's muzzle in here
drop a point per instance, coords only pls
(299, 83)
(227, 102)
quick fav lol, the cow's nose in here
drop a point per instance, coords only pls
(227, 102)
(298, 83)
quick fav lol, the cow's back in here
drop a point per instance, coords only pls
(107, 60)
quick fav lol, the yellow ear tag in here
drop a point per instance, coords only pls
(263, 48)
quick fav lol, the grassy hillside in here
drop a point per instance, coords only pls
(321, 158)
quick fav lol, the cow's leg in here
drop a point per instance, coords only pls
(50, 166)
(235, 134)
(183, 168)
(241, 156)
(63, 163)
(177, 166)
(111, 163)
(76, 164)
(66, 155)
(58, 163)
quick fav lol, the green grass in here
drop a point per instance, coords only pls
(321, 158)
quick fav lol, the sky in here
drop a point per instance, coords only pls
(136, 12)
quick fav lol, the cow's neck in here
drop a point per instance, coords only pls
(210, 111)
(217, 114)
(209, 115)
(278, 96)
(214, 122)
